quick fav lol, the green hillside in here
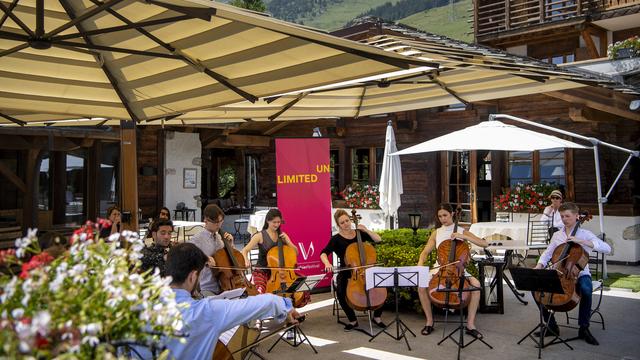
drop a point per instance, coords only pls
(438, 21)
(336, 16)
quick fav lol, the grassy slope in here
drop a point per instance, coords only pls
(437, 21)
(338, 15)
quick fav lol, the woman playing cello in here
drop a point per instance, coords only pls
(445, 232)
(266, 240)
(338, 245)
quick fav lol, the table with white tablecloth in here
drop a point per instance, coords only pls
(516, 233)
(515, 230)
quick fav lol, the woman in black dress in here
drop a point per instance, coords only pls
(338, 245)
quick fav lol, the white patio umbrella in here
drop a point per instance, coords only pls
(391, 178)
(491, 135)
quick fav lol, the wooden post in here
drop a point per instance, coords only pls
(129, 173)
(507, 14)
(475, 19)
(542, 10)
(30, 203)
(93, 177)
(58, 164)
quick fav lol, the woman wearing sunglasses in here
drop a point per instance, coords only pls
(551, 215)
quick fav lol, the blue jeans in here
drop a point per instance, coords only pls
(584, 287)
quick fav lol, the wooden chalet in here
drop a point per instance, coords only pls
(470, 179)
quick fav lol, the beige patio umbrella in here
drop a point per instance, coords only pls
(158, 59)
(467, 73)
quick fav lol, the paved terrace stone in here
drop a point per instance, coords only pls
(620, 340)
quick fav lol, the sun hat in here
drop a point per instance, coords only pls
(556, 193)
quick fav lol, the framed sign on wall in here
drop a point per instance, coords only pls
(190, 178)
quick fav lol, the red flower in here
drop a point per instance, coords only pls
(35, 262)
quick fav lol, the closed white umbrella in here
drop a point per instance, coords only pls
(491, 135)
(391, 178)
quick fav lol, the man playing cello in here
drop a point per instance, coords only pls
(585, 238)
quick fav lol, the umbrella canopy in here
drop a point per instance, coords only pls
(491, 135)
(135, 59)
(391, 178)
(467, 73)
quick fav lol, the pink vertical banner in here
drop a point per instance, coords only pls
(304, 198)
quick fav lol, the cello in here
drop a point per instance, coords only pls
(282, 260)
(357, 256)
(452, 279)
(230, 274)
(568, 260)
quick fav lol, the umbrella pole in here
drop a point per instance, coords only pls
(595, 142)
(601, 202)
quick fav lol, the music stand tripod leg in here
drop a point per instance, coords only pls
(401, 327)
(297, 332)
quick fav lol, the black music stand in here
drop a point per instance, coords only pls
(461, 328)
(407, 276)
(306, 284)
(545, 281)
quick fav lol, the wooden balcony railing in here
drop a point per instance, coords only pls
(493, 16)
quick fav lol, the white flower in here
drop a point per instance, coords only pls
(91, 340)
(41, 321)
(17, 313)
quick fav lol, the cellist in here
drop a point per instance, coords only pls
(569, 214)
(209, 241)
(265, 240)
(338, 245)
(445, 218)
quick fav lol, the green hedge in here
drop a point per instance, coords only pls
(401, 248)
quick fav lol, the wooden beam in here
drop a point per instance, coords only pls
(67, 132)
(129, 173)
(612, 104)
(591, 46)
(235, 140)
(14, 142)
(15, 179)
(275, 128)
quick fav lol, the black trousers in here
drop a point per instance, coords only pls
(341, 294)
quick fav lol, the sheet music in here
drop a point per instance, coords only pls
(226, 336)
(408, 276)
(311, 281)
(229, 294)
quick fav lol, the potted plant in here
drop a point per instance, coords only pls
(524, 198)
(358, 196)
(81, 303)
(627, 48)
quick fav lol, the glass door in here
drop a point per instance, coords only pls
(460, 179)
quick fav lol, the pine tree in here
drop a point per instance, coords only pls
(255, 5)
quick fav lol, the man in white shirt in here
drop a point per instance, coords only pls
(588, 241)
(207, 318)
(209, 241)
